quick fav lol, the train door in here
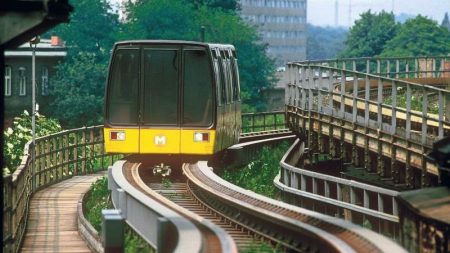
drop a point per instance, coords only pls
(160, 96)
(197, 135)
(121, 129)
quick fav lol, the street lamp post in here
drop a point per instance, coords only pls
(34, 43)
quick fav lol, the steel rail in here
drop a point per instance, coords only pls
(306, 229)
(212, 234)
(137, 207)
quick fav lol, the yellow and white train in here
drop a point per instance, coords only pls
(172, 99)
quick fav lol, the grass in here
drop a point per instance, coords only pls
(99, 200)
(258, 175)
(261, 247)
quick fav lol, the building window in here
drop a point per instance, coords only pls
(44, 81)
(7, 81)
(22, 82)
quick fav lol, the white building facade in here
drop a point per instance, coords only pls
(282, 25)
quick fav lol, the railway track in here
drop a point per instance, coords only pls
(294, 228)
(232, 219)
(214, 239)
(222, 211)
(181, 197)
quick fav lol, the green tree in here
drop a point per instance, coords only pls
(419, 36)
(92, 28)
(324, 42)
(181, 20)
(160, 19)
(78, 91)
(256, 69)
(369, 34)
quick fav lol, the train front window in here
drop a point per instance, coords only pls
(123, 87)
(160, 87)
(198, 79)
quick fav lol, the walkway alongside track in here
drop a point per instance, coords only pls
(52, 224)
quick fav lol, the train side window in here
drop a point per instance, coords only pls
(223, 81)
(230, 77)
(197, 89)
(226, 86)
(122, 100)
(235, 74)
(161, 87)
(218, 83)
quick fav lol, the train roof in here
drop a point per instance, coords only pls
(173, 42)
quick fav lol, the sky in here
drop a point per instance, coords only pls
(322, 12)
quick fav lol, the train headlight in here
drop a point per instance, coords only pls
(117, 135)
(201, 137)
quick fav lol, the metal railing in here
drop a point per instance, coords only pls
(347, 197)
(315, 87)
(393, 67)
(402, 116)
(56, 157)
(263, 121)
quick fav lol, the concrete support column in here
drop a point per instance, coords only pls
(342, 143)
(408, 169)
(367, 160)
(425, 176)
(393, 159)
(355, 159)
(320, 146)
(331, 142)
(380, 162)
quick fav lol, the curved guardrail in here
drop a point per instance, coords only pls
(136, 207)
(343, 197)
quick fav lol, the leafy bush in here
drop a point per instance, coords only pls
(99, 200)
(261, 247)
(77, 97)
(258, 175)
(416, 103)
(134, 243)
(21, 132)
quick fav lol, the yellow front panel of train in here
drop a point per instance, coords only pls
(159, 141)
(199, 142)
(121, 140)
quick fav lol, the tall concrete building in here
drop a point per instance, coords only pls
(282, 25)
